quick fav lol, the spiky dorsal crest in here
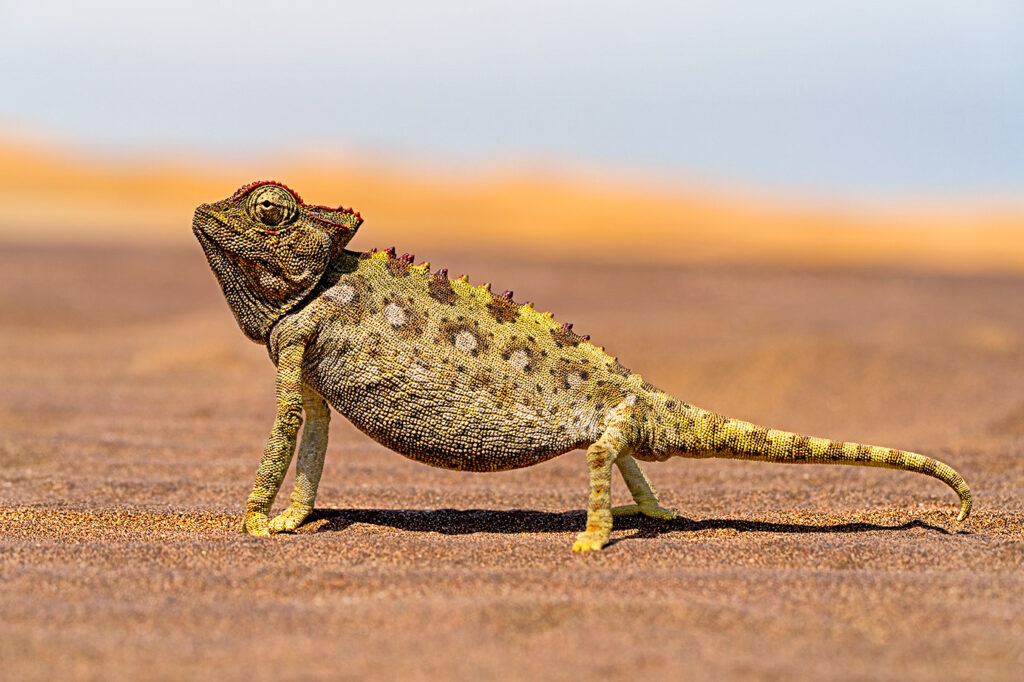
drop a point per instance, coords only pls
(484, 295)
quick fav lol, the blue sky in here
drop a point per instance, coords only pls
(857, 98)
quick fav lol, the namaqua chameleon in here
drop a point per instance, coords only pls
(452, 375)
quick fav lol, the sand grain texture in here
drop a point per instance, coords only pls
(132, 415)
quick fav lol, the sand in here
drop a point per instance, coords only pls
(132, 415)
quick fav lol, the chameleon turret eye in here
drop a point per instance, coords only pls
(273, 206)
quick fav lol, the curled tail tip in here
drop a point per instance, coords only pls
(965, 507)
(955, 481)
(965, 499)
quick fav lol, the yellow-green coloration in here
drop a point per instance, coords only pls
(451, 375)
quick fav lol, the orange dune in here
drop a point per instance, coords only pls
(52, 194)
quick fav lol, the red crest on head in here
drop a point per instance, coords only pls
(312, 209)
(245, 189)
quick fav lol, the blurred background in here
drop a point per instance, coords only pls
(806, 214)
(791, 131)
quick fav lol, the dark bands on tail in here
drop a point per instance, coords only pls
(713, 435)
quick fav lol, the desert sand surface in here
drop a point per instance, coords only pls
(133, 413)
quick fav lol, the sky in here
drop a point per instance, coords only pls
(922, 98)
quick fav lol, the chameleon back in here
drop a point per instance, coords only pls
(449, 374)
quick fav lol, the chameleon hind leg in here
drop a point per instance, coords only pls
(644, 495)
(277, 455)
(618, 437)
(309, 463)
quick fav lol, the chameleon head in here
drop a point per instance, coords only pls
(269, 250)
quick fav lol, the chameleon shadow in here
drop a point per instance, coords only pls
(515, 521)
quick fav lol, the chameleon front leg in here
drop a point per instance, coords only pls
(281, 445)
(617, 439)
(644, 495)
(309, 463)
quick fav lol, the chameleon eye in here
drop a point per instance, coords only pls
(272, 206)
(269, 214)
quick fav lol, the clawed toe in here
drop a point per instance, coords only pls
(653, 511)
(590, 541)
(288, 520)
(657, 512)
(255, 524)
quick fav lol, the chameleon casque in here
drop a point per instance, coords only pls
(451, 375)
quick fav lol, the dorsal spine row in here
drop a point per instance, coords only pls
(406, 261)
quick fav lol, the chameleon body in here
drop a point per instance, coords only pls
(452, 375)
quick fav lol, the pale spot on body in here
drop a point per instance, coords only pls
(345, 294)
(395, 315)
(465, 341)
(575, 380)
(519, 359)
(419, 373)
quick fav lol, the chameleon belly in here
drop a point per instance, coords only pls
(411, 410)
(450, 375)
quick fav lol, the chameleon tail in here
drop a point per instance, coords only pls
(706, 434)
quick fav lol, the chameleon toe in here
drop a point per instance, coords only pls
(288, 520)
(589, 541)
(255, 525)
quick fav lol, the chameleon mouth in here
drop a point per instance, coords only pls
(214, 256)
(205, 226)
(217, 256)
(198, 218)
(201, 218)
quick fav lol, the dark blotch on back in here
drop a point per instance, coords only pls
(440, 289)
(397, 267)
(503, 311)
(616, 368)
(565, 338)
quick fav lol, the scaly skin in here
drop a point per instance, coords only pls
(451, 375)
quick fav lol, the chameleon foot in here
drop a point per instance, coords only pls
(652, 510)
(255, 524)
(590, 541)
(290, 519)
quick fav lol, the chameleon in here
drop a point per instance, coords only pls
(452, 375)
